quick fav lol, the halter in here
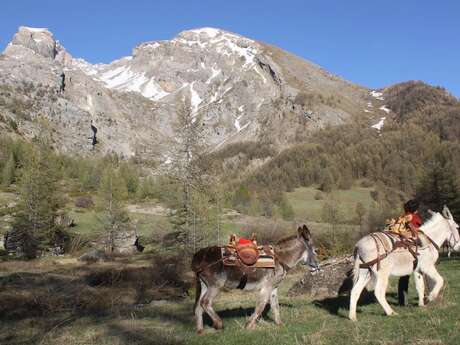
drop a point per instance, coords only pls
(452, 236)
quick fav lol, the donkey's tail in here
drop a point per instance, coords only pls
(356, 264)
(356, 267)
(197, 291)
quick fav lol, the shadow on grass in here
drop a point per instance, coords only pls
(334, 304)
(151, 336)
(241, 312)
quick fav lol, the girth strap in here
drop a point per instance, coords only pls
(429, 239)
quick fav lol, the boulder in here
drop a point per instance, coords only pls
(333, 279)
(64, 220)
(122, 243)
(94, 255)
(2, 242)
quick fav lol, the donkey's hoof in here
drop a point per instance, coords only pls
(353, 318)
(432, 298)
(200, 332)
(251, 326)
(218, 325)
(393, 313)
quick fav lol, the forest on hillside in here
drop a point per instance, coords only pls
(416, 154)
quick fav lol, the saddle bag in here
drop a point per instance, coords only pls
(247, 253)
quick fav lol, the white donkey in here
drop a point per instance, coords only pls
(383, 262)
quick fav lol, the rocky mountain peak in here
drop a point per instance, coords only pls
(38, 40)
(241, 89)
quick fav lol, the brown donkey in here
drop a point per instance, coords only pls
(212, 276)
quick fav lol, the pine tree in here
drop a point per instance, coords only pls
(439, 187)
(35, 225)
(327, 181)
(188, 167)
(9, 171)
(360, 211)
(112, 191)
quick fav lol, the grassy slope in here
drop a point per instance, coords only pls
(305, 322)
(306, 207)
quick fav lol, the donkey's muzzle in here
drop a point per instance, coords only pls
(314, 267)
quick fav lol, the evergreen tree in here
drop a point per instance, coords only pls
(131, 176)
(439, 187)
(189, 168)
(360, 211)
(327, 182)
(35, 225)
(9, 171)
(112, 191)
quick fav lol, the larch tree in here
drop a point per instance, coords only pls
(188, 167)
(112, 191)
(35, 225)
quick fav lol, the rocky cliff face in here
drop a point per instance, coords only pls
(242, 89)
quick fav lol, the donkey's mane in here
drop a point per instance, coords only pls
(436, 217)
(286, 239)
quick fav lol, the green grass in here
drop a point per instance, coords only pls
(307, 208)
(88, 222)
(304, 322)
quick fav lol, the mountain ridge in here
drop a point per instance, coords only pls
(243, 89)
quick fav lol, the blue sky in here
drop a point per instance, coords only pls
(373, 43)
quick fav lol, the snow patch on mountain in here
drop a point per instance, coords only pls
(215, 73)
(195, 98)
(261, 74)
(224, 43)
(385, 109)
(123, 78)
(377, 95)
(379, 125)
(33, 29)
(211, 32)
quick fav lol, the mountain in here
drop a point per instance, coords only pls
(243, 90)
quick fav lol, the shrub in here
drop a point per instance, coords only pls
(84, 202)
(319, 195)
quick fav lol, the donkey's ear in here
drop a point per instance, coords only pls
(304, 232)
(446, 212)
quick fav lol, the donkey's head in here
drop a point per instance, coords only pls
(454, 236)
(309, 254)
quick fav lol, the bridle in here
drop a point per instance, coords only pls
(311, 252)
(452, 237)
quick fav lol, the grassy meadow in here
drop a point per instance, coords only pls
(53, 301)
(307, 207)
(137, 300)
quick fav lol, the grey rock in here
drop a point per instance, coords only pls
(333, 279)
(122, 243)
(94, 255)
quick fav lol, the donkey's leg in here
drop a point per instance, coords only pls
(264, 296)
(206, 303)
(363, 278)
(420, 286)
(432, 272)
(381, 289)
(200, 290)
(275, 306)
